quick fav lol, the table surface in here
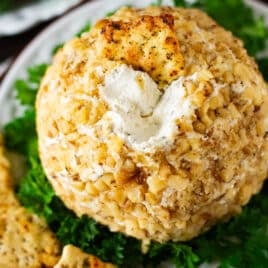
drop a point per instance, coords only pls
(11, 46)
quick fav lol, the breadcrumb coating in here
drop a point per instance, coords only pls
(218, 159)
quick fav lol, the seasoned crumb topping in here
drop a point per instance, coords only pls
(155, 51)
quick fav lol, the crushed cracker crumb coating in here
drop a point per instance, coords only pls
(219, 157)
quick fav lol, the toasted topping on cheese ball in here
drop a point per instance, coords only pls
(154, 123)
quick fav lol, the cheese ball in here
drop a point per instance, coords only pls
(154, 123)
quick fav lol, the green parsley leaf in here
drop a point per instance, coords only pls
(26, 89)
(180, 3)
(85, 29)
(19, 132)
(157, 3)
(57, 48)
(263, 67)
(181, 255)
(35, 192)
(36, 73)
(8, 5)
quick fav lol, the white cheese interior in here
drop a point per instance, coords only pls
(143, 116)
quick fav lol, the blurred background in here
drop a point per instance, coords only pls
(22, 20)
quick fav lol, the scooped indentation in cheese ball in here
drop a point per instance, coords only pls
(154, 123)
(144, 116)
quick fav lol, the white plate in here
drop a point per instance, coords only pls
(39, 50)
(21, 19)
